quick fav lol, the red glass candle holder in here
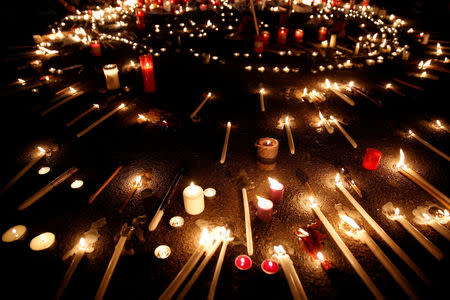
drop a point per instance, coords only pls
(148, 76)
(299, 36)
(371, 159)
(243, 262)
(265, 37)
(95, 48)
(322, 34)
(140, 18)
(259, 45)
(282, 35)
(269, 266)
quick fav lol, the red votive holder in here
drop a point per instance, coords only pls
(95, 48)
(259, 45)
(322, 34)
(264, 209)
(269, 266)
(140, 18)
(203, 7)
(265, 37)
(148, 76)
(243, 262)
(299, 36)
(282, 35)
(371, 159)
(276, 191)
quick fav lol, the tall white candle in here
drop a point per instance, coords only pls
(212, 289)
(429, 146)
(356, 52)
(193, 199)
(111, 76)
(289, 135)
(261, 99)
(90, 127)
(333, 40)
(77, 118)
(194, 114)
(225, 144)
(344, 132)
(248, 225)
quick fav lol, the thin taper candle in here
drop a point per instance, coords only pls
(194, 114)
(65, 100)
(77, 118)
(94, 196)
(83, 132)
(213, 286)
(225, 144)
(248, 225)
(344, 132)
(261, 99)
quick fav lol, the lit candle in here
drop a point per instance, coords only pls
(440, 126)
(44, 170)
(344, 132)
(276, 191)
(266, 153)
(148, 76)
(94, 196)
(212, 288)
(264, 209)
(333, 40)
(429, 146)
(111, 76)
(322, 34)
(193, 199)
(261, 99)
(248, 224)
(14, 234)
(43, 241)
(162, 251)
(425, 38)
(371, 159)
(360, 234)
(77, 118)
(76, 184)
(95, 48)
(394, 214)
(287, 126)
(389, 86)
(194, 114)
(140, 18)
(352, 260)
(265, 37)
(299, 36)
(325, 123)
(335, 89)
(137, 185)
(243, 262)
(356, 52)
(269, 266)
(209, 193)
(423, 218)
(90, 127)
(282, 35)
(73, 94)
(225, 144)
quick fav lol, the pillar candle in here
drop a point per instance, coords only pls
(282, 35)
(148, 76)
(264, 209)
(193, 198)
(259, 44)
(299, 36)
(276, 191)
(140, 21)
(371, 159)
(322, 33)
(266, 153)
(95, 48)
(265, 37)
(333, 40)
(111, 76)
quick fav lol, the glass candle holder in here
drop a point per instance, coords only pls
(371, 159)
(111, 76)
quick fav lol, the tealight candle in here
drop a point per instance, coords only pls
(209, 193)
(162, 251)
(269, 266)
(76, 184)
(243, 262)
(371, 159)
(264, 209)
(14, 234)
(266, 153)
(44, 170)
(42, 241)
(176, 221)
(282, 35)
(193, 198)
(276, 191)
(111, 76)
(265, 37)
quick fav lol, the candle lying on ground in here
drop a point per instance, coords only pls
(77, 118)
(264, 209)
(269, 266)
(43, 241)
(111, 76)
(194, 114)
(261, 99)
(248, 224)
(276, 191)
(14, 234)
(422, 217)
(212, 289)
(243, 262)
(344, 132)
(137, 185)
(358, 233)
(394, 214)
(389, 86)
(72, 95)
(94, 196)
(429, 146)
(90, 127)
(193, 199)
(287, 126)
(225, 144)
(335, 89)
(440, 126)
(266, 153)
(352, 87)
(325, 123)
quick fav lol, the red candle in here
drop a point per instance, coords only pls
(259, 45)
(371, 159)
(140, 22)
(299, 36)
(264, 209)
(322, 33)
(203, 7)
(269, 266)
(243, 262)
(276, 191)
(147, 73)
(95, 48)
(282, 35)
(265, 37)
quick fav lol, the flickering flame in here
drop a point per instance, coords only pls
(401, 162)
(209, 94)
(264, 203)
(303, 232)
(438, 123)
(142, 117)
(389, 85)
(397, 211)
(351, 84)
(132, 63)
(72, 90)
(96, 106)
(410, 132)
(335, 85)
(262, 91)
(138, 181)
(275, 184)
(327, 83)
(427, 64)
(320, 256)
(286, 120)
(279, 250)
(312, 203)
(21, 81)
(82, 244)
(426, 216)
(41, 150)
(423, 74)
(121, 106)
(204, 237)
(337, 179)
(350, 222)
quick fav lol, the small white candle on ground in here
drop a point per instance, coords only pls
(77, 118)
(193, 199)
(14, 234)
(261, 99)
(333, 40)
(423, 218)
(162, 251)
(325, 123)
(90, 127)
(225, 144)
(287, 126)
(212, 289)
(344, 132)
(335, 89)
(44, 170)
(429, 146)
(248, 225)
(42, 241)
(76, 184)
(209, 193)
(194, 114)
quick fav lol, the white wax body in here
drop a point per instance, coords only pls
(193, 198)
(357, 49)
(112, 79)
(425, 39)
(333, 40)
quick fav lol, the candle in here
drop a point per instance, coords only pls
(335, 89)
(225, 144)
(423, 218)
(137, 185)
(344, 132)
(90, 127)
(77, 118)
(276, 191)
(43, 241)
(351, 86)
(265, 37)
(371, 159)
(204, 243)
(420, 181)
(125, 233)
(356, 52)
(176, 222)
(162, 251)
(73, 94)
(41, 154)
(212, 288)
(429, 146)
(261, 99)
(243, 262)
(14, 234)
(425, 38)
(266, 153)
(325, 123)
(287, 126)
(360, 234)
(394, 214)
(44, 170)
(94, 196)
(111, 76)
(264, 209)
(333, 40)
(76, 184)
(140, 18)
(324, 44)
(147, 73)
(258, 44)
(248, 224)
(194, 114)
(193, 199)
(299, 36)
(269, 266)
(389, 86)
(282, 35)
(95, 48)
(322, 34)
(287, 265)
(440, 126)
(209, 193)
(36, 65)
(348, 255)
(36, 196)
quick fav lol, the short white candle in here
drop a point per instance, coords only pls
(261, 99)
(194, 200)
(14, 233)
(356, 52)
(333, 40)
(429, 146)
(162, 251)
(44, 170)
(76, 184)
(42, 241)
(111, 76)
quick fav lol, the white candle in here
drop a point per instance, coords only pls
(356, 52)
(248, 225)
(425, 38)
(429, 146)
(90, 127)
(325, 123)
(333, 40)
(337, 239)
(346, 135)
(193, 199)
(42, 241)
(194, 114)
(111, 76)
(14, 234)
(225, 144)
(74, 94)
(386, 238)
(289, 135)
(261, 99)
(212, 289)
(77, 118)
(335, 89)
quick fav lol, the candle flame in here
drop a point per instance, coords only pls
(41, 150)
(303, 232)
(279, 250)
(229, 124)
(142, 117)
(286, 120)
(410, 132)
(336, 85)
(397, 211)
(401, 162)
(209, 94)
(389, 85)
(327, 84)
(427, 64)
(426, 216)
(138, 181)
(82, 244)
(192, 184)
(275, 184)
(132, 63)
(264, 203)
(320, 256)
(350, 222)
(96, 106)
(351, 84)
(337, 179)
(14, 231)
(420, 66)
(312, 203)
(438, 123)
(72, 90)
(262, 91)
